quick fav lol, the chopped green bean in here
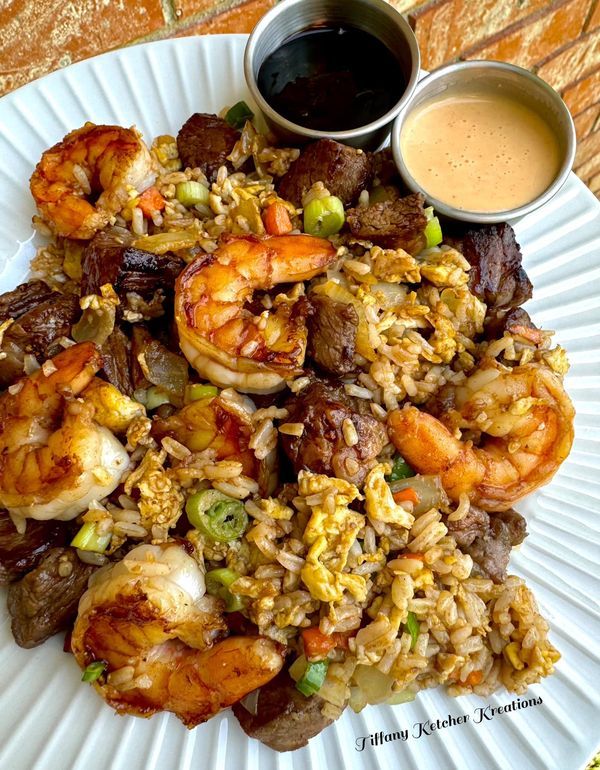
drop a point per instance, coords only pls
(412, 626)
(88, 539)
(324, 216)
(400, 470)
(94, 671)
(191, 193)
(217, 516)
(433, 229)
(238, 114)
(218, 582)
(155, 397)
(313, 677)
(197, 391)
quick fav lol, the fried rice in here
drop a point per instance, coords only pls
(326, 552)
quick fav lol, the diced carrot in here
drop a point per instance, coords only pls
(409, 555)
(341, 638)
(317, 644)
(151, 201)
(276, 219)
(406, 495)
(474, 678)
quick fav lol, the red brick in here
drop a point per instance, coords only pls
(590, 168)
(594, 184)
(535, 39)
(242, 18)
(431, 30)
(38, 37)
(587, 148)
(582, 93)
(586, 121)
(465, 24)
(594, 21)
(185, 8)
(578, 60)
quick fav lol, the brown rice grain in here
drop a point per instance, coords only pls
(292, 428)
(349, 432)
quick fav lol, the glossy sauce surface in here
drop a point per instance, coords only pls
(479, 149)
(331, 79)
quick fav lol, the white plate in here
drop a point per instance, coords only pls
(51, 721)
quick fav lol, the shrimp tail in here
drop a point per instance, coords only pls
(427, 445)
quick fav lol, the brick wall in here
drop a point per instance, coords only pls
(558, 39)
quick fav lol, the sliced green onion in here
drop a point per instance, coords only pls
(217, 584)
(412, 626)
(312, 679)
(217, 516)
(88, 539)
(433, 229)
(94, 671)
(324, 216)
(197, 391)
(155, 397)
(190, 193)
(400, 470)
(403, 696)
(238, 114)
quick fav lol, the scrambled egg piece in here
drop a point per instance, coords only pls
(394, 265)
(275, 509)
(113, 409)
(380, 504)
(329, 536)
(445, 268)
(161, 500)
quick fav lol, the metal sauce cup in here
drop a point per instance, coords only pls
(516, 82)
(294, 16)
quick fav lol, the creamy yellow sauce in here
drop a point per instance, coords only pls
(479, 149)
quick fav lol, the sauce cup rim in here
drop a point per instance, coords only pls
(501, 215)
(270, 18)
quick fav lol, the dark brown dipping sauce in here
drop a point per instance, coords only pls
(332, 79)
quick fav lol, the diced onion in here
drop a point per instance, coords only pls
(428, 488)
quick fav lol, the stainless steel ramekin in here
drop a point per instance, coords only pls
(515, 81)
(293, 16)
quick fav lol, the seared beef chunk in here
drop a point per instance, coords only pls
(20, 553)
(109, 259)
(24, 298)
(393, 224)
(515, 321)
(488, 539)
(332, 335)
(37, 330)
(344, 171)
(496, 275)
(285, 719)
(44, 602)
(42, 316)
(322, 409)
(116, 361)
(204, 141)
(384, 167)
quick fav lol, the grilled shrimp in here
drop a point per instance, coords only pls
(148, 618)
(84, 180)
(54, 458)
(220, 337)
(526, 420)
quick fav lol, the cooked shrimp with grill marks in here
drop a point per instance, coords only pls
(526, 422)
(85, 179)
(54, 458)
(149, 619)
(220, 337)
